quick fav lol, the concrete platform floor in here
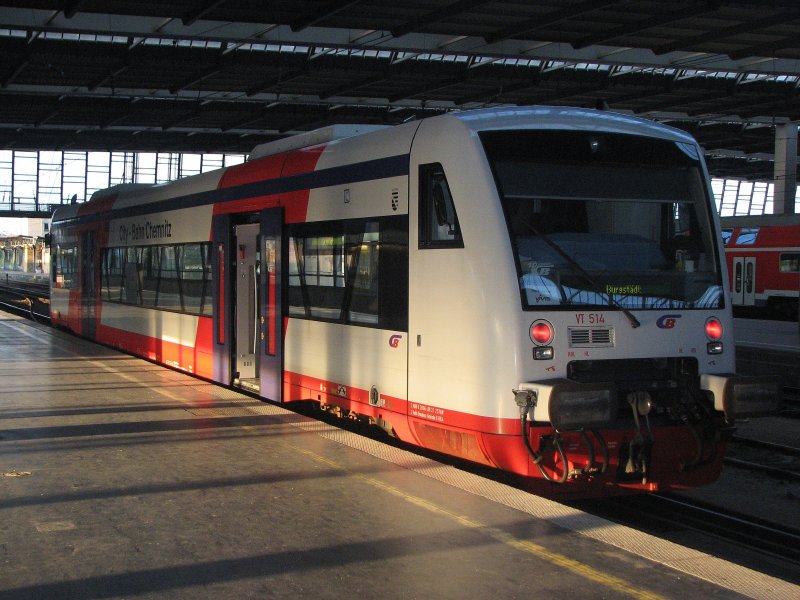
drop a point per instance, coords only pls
(121, 479)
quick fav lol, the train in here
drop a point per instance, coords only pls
(535, 289)
(763, 260)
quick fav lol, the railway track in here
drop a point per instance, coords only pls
(26, 298)
(791, 402)
(673, 515)
(777, 460)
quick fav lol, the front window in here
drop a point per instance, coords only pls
(65, 266)
(599, 219)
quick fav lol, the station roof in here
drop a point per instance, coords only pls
(227, 75)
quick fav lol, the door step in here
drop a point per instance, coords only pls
(252, 385)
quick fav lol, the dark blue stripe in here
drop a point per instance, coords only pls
(378, 168)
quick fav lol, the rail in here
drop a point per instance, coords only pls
(671, 514)
(26, 298)
(791, 402)
(745, 530)
(776, 460)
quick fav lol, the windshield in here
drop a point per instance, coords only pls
(600, 219)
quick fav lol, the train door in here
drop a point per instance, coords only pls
(257, 347)
(743, 282)
(246, 313)
(271, 317)
(88, 288)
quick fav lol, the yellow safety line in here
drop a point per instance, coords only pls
(559, 560)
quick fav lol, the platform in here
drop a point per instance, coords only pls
(119, 478)
(23, 276)
(768, 348)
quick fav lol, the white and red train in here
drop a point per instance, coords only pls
(763, 259)
(537, 289)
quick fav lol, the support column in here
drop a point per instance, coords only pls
(785, 168)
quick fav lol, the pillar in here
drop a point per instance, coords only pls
(785, 167)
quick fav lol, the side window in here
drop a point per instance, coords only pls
(195, 277)
(353, 272)
(747, 236)
(113, 273)
(149, 271)
(168, 277)
(438, 222)
(789, 262)
(132, 282)
(168, 294)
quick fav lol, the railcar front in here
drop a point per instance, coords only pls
(597, 350)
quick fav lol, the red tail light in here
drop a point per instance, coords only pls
(541, 332)
(714, 329)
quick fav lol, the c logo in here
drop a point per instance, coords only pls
(394, 341)
(667, 321)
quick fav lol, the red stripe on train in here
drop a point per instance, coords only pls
(271, 167)
(197, 359)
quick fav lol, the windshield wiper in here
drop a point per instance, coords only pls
(583, 273)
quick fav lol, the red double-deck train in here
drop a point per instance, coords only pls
(763, 259)
(539, 289)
